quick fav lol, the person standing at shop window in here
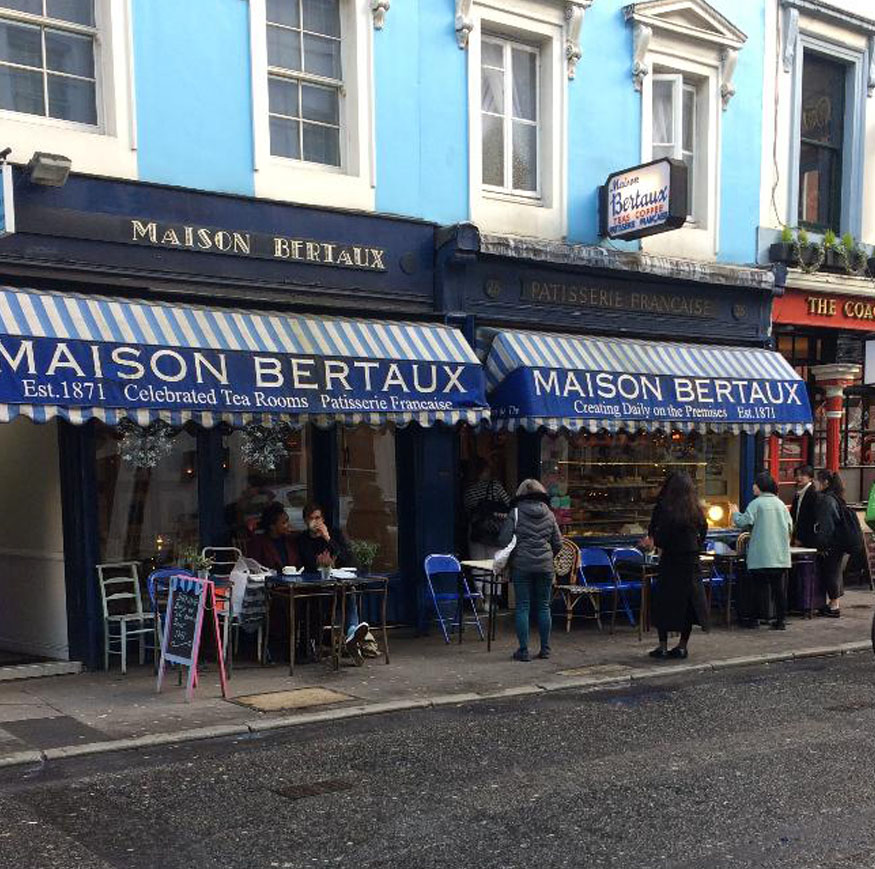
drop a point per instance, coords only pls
(276, 547)
(538, 540)
(317, 539)
(838, 535)
(768, 553)
(804, 509)
(486, 505)
(678, 529)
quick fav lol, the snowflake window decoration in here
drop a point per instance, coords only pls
(145, 447)
(264, 447)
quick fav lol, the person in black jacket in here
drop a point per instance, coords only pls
(832, 559)
(678, 528)
(804, 509)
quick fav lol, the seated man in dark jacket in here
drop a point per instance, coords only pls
(313, 542)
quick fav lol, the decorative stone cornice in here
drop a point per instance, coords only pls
(838, 374)
(641, 36)
(574, 12)
(464, 22)
(728, 61)
(379, 8)
(790, 34)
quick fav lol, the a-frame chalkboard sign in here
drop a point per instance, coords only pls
(180, 644)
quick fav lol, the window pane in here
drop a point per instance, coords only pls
(492, 54)
(823, 100)
(21, 91)
(21, 44)
(322, 56)
(34, 6)
(525, 156)
(689, 163)
(525, 89)
(72, 99)
(818, 182)
(660, 151)
(79, 11)
(663, 114)
(66, 52)
(146, 514)
(285, 138)
(282, 96)
(322, 144)
(492, 91)
(248, 491)
(322, 16)
(493, 151)
(283, 48)
(368, 504)
(689, 119)
(319, 104)
(283, 12)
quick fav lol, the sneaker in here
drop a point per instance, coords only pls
(355, 652)
(544, 654)
(676, 652)
(356, 634)
(658, 652)
(521, 655)
(833, 614)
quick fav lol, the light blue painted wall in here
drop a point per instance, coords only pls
(741, 170)
(194, 107)
(421, 113)
(604, 115)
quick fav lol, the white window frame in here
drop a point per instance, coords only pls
(507, 47)
(351, 185)
(109, 147)
(539, 26)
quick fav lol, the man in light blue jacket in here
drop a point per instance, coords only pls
(768, 553)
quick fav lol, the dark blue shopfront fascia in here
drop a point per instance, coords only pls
(361, 343)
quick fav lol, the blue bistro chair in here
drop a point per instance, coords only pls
(628, 568)
(595, 564)
(445, 577)
(719, 577)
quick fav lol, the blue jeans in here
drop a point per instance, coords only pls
(352, 611)
(533, 591)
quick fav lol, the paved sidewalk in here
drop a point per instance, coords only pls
(53, 716)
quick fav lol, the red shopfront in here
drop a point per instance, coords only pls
(823, 334)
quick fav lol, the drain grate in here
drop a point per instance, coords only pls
(313, 789)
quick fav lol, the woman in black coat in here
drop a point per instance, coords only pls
(678, 529)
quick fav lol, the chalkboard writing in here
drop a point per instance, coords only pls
(183, 622)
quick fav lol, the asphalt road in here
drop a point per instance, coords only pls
(767, 766)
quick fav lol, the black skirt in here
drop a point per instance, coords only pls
(678, 591)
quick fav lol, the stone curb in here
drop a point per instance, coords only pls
(257, 726)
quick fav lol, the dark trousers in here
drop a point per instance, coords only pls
(776, 580)
(832, 572)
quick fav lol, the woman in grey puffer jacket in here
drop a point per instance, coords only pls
(531, 563)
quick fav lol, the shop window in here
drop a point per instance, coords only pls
(305, 79)
(510, 123)
(312, 84)
(249, 490)
(146, 514)
(607, 484)
(368, 490)
(821, 141)
(674, 127)
(517, 75)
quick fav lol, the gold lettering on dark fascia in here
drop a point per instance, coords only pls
(608, 298)
(209, 240)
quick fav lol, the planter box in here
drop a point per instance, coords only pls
(780, 252)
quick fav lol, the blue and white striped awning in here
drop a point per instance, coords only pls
(537, 380)
(83, 357)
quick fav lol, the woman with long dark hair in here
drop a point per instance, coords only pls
(830, 534)
(678, 528)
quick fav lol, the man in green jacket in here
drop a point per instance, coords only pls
(768, 553)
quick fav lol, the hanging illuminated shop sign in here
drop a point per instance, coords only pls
(644, 200)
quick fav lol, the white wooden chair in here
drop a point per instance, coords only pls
(124, 618)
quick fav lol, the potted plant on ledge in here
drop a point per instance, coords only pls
(797, 252)
(851, 256)
(195, 562)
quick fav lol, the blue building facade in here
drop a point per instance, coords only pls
(452, 152)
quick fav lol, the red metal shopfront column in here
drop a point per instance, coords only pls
(834, 379)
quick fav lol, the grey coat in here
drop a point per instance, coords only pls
(537, 535)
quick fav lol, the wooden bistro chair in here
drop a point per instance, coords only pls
(568, 586)
(124, 618)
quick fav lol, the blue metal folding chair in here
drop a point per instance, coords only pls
(719, 577)
(628, 569)
(595, 563)
(449, 590)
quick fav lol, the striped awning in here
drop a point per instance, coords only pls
(83, 357)
(537, 380)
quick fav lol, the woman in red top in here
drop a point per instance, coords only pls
(276, 547)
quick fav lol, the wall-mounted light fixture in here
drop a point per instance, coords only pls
(49, 170)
